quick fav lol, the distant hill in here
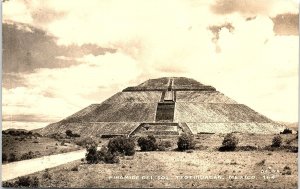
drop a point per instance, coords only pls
(19, 132)
(16, 130)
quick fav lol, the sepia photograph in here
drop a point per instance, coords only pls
(150, 93)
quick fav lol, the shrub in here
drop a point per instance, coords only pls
(37, 135)
(74, 168)
(161, 148)
(8, 184)
(229, 142)
(75, 135)
(27, 181)
(91, 155)
(163, 145)
(293, 149)
(12, 157)
(122, 145)
(28, 155)
(104, 155)
(287, 171)
(185, 142)
(286, 131)
(261, 163)
(69, 133)
(107, 156)
(276, 142)
(4, 157)
(167, 143)
(46, 174)
(147, 143)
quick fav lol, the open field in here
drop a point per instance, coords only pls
(38, 145)
(201, 168)
(173, 169)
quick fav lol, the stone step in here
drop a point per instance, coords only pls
(165, 112)
(185, 128)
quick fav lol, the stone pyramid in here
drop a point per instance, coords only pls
(165, 106)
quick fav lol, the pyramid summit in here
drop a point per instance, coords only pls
(165, 106)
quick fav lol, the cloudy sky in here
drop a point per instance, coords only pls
(59, 56)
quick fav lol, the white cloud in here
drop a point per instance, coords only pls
(58, 93)
(17, 11)
(164, 38)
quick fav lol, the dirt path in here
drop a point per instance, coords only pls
(21, 168)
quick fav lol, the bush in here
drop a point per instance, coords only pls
(287, 171)
(261, 163)
(104, 155)
(91, 156)
(12, 157)
(28, 155)
(122, 145)
(37, 135)
(25, 181)
(286, 131)
(147, 143)
(69, 133)
(107, 156)
(46, 174)
(277, 141)
(4, 157)
(75, 135)
(8, 184)
(74, 168)
(163, 145)
(229, 143)
(185, 142)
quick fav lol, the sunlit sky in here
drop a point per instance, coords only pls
(59, 56)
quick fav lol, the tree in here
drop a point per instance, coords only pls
(91, 156)
(185, 142)
(122, 145)
(69, 133)
(276, 142)
(147, 143)
(229, 142)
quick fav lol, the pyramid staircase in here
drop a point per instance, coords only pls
(164, 124)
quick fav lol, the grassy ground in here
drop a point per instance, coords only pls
(168, 169)
(207, 168)
(39, 146)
